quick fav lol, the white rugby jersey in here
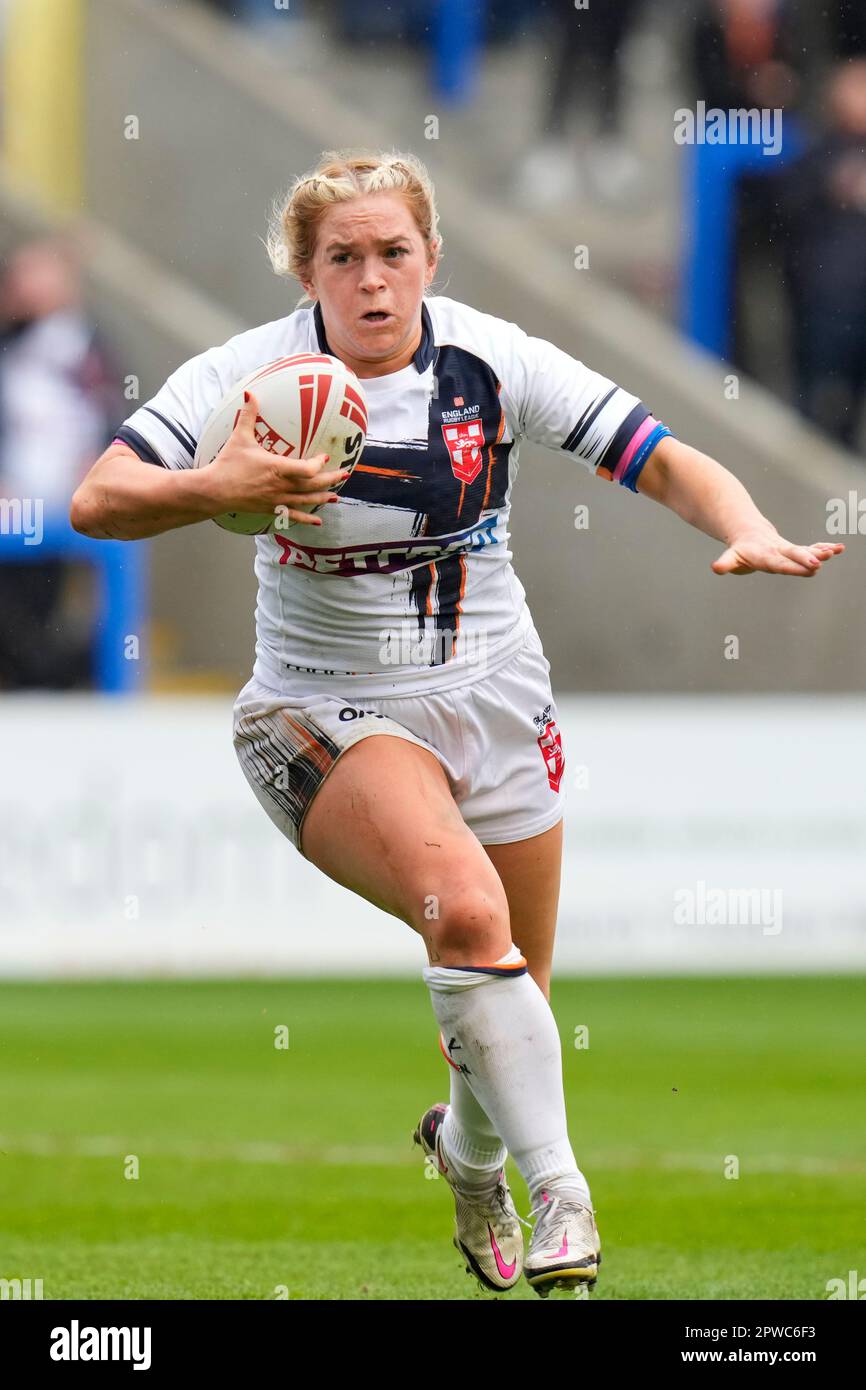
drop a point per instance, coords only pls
(408, 584)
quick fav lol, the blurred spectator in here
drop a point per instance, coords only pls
(57, 406)
(824, 220)
(746, 54)
(586, 46)
(847, 19)
(750, 55)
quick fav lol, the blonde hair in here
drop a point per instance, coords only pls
(339, 177)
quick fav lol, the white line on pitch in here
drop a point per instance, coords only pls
(397, 1155)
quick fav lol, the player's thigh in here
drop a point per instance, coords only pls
(385, 825)
(531, 871)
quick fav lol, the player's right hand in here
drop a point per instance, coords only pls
(245, 477)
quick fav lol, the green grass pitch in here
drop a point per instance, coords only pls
(267, 1172)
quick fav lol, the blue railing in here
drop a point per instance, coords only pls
(710, 180)
(457, 31)
(121, 570)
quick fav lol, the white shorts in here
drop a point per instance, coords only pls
(496, 739)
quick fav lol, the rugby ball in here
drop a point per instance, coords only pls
(309, 403)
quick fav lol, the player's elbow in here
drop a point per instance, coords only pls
(87, 514)
(79, 512)
(91, 509)
(82, 512)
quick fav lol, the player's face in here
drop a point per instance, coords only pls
(370, 268)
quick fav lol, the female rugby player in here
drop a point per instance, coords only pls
(399, 726)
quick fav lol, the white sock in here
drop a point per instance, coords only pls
(501, 1031)
(474, 1149)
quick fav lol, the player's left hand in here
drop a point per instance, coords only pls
(768, 551)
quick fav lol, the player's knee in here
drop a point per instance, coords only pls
(470, 926)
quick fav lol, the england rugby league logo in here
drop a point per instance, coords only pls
(550, 743)
(464, 440)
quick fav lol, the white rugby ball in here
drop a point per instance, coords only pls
(309, 403)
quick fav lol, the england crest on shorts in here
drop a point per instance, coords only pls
(550, 743)
(465, 440)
